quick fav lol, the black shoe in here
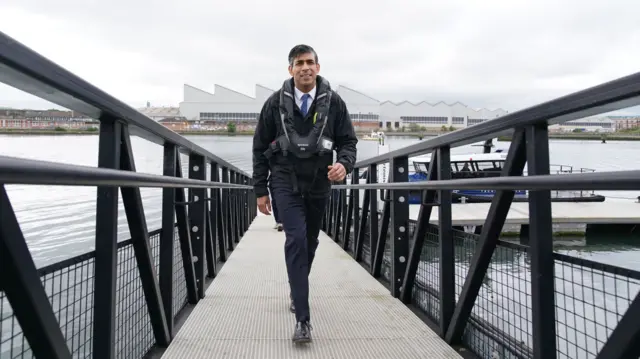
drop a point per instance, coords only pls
(302, 333)
(292, 307)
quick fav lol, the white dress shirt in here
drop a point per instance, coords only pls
(298, 97)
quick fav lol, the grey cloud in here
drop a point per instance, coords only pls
(485, 54)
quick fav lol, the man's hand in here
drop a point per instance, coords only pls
(264, 205)
(337, 172)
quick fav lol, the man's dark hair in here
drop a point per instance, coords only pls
(299, 50)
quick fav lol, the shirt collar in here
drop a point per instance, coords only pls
(299, 94)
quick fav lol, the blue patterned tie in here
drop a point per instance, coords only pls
(305, 107)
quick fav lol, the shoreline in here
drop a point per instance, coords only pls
(47, 132)
(608, 137)
(587, 137)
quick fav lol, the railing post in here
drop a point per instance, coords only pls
(197, 215)
(231, 214)
(210, 246)
(247, 199)
(541, 248)
(238, 208)
(216, 214)
(352, 207)
(106, 259)
(210, 212)
(167, 236)
(252, 203)
(323, 224)
(400, 224)
(244, 206)
(487, 242)
(23, 287)
(235, 207)
(132, 201)
(249, 202)
(419, 234)
(447, 265)
(220, 218)
(345, 213)
(184, 234)
(373, 213)
(376, 266)
(362, 227)
(329, 213)
(226, 212)
(338, 214)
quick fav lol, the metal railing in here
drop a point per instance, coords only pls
(542, 308)
(69, 285)
(122, 299)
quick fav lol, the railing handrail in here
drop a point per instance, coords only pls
(610, 180)
(610, 96)
(25, 69)
(15, 170)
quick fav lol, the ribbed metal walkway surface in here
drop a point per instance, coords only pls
(245, 313)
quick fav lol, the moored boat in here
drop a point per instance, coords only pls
(478, 165)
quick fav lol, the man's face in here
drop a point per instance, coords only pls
(304, 70)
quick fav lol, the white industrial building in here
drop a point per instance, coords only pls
(433, 115)
(587, 124)
(225, 105)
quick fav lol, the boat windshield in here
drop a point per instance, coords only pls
(459, 168)
(472, 166)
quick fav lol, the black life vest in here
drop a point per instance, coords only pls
(289, 141)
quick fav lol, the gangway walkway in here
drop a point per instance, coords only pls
(245, 312)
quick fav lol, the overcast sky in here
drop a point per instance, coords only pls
(491, 53)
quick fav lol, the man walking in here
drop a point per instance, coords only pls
(299, 127)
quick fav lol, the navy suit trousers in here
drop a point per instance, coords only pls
(301, 218)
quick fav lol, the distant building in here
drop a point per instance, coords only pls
(587, 124)
(44, 119)
(435, 116)
(625, 122)
(225, 105)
